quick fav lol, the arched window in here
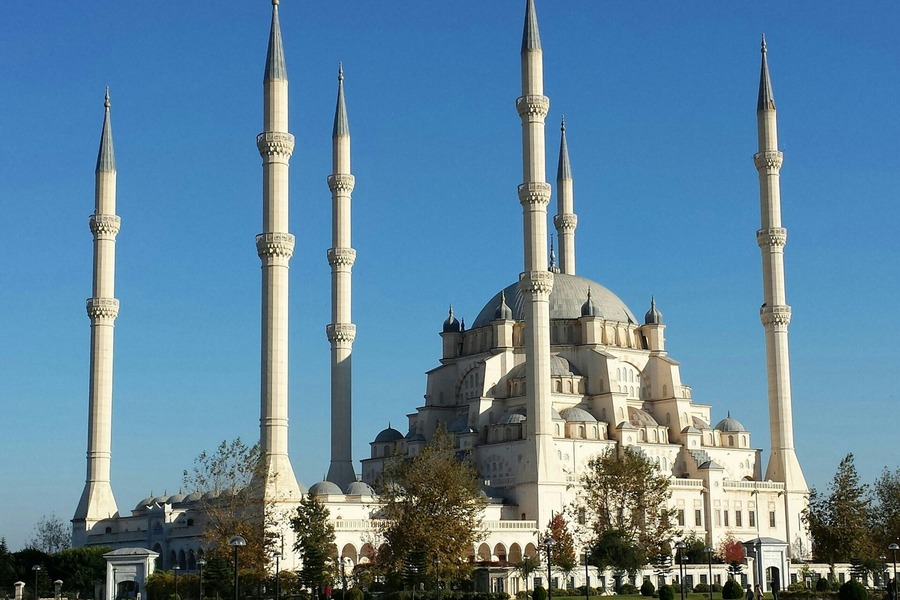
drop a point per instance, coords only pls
(581, 431)
(731, 440)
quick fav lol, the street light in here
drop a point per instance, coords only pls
(176, 568)
(115, 584)
(587, 576)
(548, 544)
(277, 572)
(680, 545)
(343, 577)
(709, 553)
(201, 563)
(37, 570)
(893, 548)
(236, 542)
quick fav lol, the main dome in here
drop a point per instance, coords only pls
(568, 295)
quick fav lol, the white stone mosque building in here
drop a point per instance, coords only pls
(554, 370)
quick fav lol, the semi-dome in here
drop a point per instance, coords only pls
(559, 367)
(388, 435)
(730, 425)
(566, 299)
(325, 488)
(641, 418)
(576, 414)
(512, 417)
(700, 423)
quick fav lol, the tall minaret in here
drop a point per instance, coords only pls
(775, 313)
(536, 282)
(341, 332)
(565, 220)
(97, 501)
(275, 246)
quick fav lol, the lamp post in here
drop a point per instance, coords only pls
(587, 576)
(37, 570)
(893, 590)
(709, 553)
(236, 542)
(115, 584)
(201, 563)
(680, 546)
(176, 568)
(277, 572)
(548, 544)
(343, 577)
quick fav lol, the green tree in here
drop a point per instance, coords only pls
(563, 551)
(885, 508)
(81, 569)
(50, 535)
(430, 505)
(230, 483)
(315, 542)
(613, 549)
(839, 522)
(527, 567)
(7, 566)
(625, 493)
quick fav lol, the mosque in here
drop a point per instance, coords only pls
(554, 370)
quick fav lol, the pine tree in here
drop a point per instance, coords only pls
(315, 542)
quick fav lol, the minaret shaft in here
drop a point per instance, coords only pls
(341, 331)
(775, 312)
(536, 282)
(97, 501)
(275, 246)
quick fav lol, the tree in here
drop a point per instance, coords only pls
(885, 508)
(229, 482)
(563, 552)
(625, 493)
(839, 522)
(315, 542)
(529, 565)
(430, 505)
(81, 569)
(614, 549)
(733, 553)
(50, 535)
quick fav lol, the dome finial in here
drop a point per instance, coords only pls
(274, 2)
(106, 101)
(553, 267)
(340, 70)
(562, 125)
(762, 46)
(451, 325)
(503, 311)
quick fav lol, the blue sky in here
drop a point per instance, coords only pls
(659, 101)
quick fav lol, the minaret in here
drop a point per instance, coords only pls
(536, 282)
(775, 313)
(97, 501)
(275, 247)
(565, 220)
(341, 332)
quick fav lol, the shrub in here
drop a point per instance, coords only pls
(539, 593)
(701, 588)
(852, 590)
(628, 589)
(732, 590)
(647, 588)
(354, 593)
(822, 585)
(666, 592)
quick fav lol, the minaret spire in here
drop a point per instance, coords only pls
(536, 282)
(775, 312)
(565, 220)
(275, 245)
(97, 500)
(341, 332)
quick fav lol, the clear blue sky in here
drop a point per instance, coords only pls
(659, 99)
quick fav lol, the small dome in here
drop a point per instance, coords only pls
(641, 418)
(176, 498)
(512, 417)
(211, 495)
(690, 429)
(388, 435)
(193, 497)
(700, 423)
(451, 325)
(576, 414)
(711, 464)
(360, 488)
(589, 309)
(653, 316)
(503, 310)
(625, 425)
(144, 503)
(160, 499)
(412, 436)
(730, 425)
(559, 367)
(325, 488)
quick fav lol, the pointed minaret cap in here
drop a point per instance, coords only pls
(766, 99)
(106, 158)
(653, 316)
(553, 267)
(589, 309)
(531, 37)
(341, 125)
(565, 169)
(451, 325)
(503, 311)
(275, 67)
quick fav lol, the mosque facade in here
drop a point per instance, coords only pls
(554, 370)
